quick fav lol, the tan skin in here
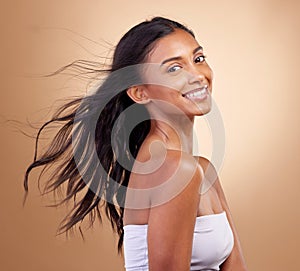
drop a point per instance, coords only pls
(186, 68)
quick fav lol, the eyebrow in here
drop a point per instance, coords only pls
(199, 48)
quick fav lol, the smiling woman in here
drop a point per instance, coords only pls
(188, 74)
(127, 148)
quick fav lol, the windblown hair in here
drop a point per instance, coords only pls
(90, 152)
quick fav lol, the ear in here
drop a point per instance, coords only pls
(138, 94)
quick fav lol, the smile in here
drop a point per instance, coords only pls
(197, 94)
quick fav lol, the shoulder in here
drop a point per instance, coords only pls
(179, 175)
(165, 172)
(210, 176)
(209, 169)
(204, 162)
(177, 161)
(162, 164)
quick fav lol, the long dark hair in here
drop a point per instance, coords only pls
(86, 151)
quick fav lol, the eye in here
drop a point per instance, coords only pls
(173, 68)
(200, 59)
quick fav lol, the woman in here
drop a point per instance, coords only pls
(127, 148)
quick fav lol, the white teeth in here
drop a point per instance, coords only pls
(199, 93)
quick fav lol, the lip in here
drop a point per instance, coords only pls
(191, 95)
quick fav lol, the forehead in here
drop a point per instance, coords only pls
(177, 44)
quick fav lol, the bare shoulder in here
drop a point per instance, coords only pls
(158, 165)
(179, 175)
(209, 170)
(161, 182)
(180, 162)
(211, 178)
(205, 163)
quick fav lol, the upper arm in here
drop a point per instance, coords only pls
(173, 213)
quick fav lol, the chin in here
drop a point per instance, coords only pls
(199, 113)
(204, 112)
(203, 109)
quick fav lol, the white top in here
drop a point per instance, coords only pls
(212, 244)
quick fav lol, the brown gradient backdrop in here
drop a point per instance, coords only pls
(253, 47)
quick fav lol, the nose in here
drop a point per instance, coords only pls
(196, 76)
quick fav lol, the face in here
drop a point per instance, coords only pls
(178, 75)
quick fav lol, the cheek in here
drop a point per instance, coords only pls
(154, 91)
(168, 87)
(177, 83)
(162, 92)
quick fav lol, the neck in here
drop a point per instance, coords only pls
(175, 131)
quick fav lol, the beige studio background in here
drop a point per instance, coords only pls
(253, 47)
